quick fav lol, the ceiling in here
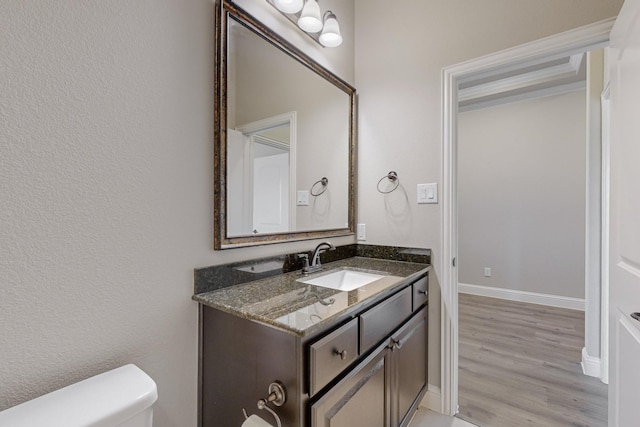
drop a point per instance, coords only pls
(517, 83)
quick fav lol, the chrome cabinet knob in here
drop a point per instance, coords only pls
(396, 344)
(342, 354)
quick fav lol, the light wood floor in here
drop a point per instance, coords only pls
(519, 365)
(427, 418)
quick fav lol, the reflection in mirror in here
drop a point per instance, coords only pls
(261, 176)
(288, 123)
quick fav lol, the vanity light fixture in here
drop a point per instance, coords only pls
(310, 20)
(307, 16)
(289, 6)
(330, 36)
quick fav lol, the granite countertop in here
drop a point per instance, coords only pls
(300, 309)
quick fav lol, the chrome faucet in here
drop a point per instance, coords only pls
(315, 258)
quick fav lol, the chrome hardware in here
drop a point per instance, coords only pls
(277, 395)
(324, 182)
(396, 344)
(315, 257)
(305, 262)
(342, 354)
(393, 178)
(422, 292)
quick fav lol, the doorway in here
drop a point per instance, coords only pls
(261, 178)
(565, 44)
(522, 222)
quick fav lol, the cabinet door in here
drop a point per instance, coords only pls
(409, 360)
(361, 399)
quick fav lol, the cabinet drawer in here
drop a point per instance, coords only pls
(331, 354)
(420, 292)
(377, 322)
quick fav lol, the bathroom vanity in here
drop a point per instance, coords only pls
(352, 358)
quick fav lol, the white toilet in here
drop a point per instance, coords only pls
(123, 397)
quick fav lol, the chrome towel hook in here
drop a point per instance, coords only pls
(324, 182)
(391, 176)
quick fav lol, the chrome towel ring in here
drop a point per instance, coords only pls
(391, 176)
(324, 182)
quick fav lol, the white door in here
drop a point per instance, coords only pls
(271, 194)
(624, 358)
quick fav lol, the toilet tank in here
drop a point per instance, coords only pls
(122, 397)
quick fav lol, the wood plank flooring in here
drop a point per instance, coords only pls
(519, 365)
(427, 418)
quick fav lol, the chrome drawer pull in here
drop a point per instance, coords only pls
(422, 292)
(342, 354)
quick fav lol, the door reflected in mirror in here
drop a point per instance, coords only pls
(288, 123)
(261, 177)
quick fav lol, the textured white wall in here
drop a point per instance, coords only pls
(521, 195)
(106, 190)
(401, 48)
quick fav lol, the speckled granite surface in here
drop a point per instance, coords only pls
(284, 302)
(222, 276)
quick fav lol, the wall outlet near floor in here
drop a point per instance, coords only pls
(487, 272)
(362, 232)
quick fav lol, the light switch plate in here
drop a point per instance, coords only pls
(427, 193)
(302, 198)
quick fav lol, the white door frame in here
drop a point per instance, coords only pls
(570, 42)
(604, 256)
(290, 118)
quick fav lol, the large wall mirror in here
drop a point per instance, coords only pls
(285, 139)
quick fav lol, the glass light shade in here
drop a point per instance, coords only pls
(331, 36)
(289, 6)
(310, 20)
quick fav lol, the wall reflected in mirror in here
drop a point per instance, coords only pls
(286, 128)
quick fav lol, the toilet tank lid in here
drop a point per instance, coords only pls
(104, 400)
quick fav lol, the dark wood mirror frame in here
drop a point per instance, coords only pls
(225, 10)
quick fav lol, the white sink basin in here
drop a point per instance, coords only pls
(343, 280)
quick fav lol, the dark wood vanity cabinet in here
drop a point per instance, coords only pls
(409, 364)
(383, 389)
(360, 399)
(367, 370)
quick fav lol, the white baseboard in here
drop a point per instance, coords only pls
(432, 399)
(522, 296)
(591, 366)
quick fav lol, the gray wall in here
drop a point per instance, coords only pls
(401, 48)
(106, 189)
(106, 183)
(521, 194)
(270, 83)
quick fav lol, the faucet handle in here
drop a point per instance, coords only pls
(305, 259)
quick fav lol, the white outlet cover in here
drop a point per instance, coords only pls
(362, 232)
(302, 198)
